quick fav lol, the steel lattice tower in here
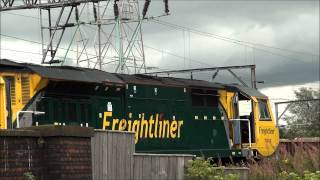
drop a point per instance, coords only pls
(116, 44)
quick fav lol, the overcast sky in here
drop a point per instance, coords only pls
(291, 28)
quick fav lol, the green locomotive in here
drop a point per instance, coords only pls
(168, 115)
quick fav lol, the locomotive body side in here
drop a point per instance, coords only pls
(168, 115)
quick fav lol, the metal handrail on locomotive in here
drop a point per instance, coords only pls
(168, 115)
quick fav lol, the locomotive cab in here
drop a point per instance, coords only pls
(253, 123)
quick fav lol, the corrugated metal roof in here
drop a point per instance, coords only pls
(167, 81)
(76, 74)
(64, 73)
(140, 79)
(96, 76)
(6, 62)
(199, 83)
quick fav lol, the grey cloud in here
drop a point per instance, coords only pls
(291, 25)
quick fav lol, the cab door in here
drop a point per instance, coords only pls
(9, 90)
(266, 130)
(2, 105)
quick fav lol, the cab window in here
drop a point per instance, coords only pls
(263, 111)
(202, 97)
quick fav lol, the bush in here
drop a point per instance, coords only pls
(301, 163)
(203, 169)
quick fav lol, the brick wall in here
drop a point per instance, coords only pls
(47, 152)
(67, 158)
(19, 155)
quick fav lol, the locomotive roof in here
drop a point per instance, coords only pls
(167, 81)
(246, 90)
(63, 73)
(68, 73)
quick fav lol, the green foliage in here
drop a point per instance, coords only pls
(302, 164)
(307, 175)
(202, 169)
(304, 121)
(29, 176)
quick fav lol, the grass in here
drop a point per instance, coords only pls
(301, 162)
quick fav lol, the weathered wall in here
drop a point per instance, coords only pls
(62, 152)
(160, 166)
(49, 152)
(67, 158)
(19, 154)
(114, 157)
(306, 143)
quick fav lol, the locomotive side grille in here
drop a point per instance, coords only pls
(25, 89)
(12, 91)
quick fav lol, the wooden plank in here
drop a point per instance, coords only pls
(115, 155)
(100, 160)
(128, 156)
(122, 156)
(163, 168)
(180, 168)
(137, 167)
(110, 155)
(104, 149)
(155, 167)
(172, 171)
(132, 154)
(146, 168)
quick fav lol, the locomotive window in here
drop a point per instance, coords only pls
(56, 111)
(84, 112)
(202, 97)
(263, 109)
(212, 98)
(197, 97)
(72, 112)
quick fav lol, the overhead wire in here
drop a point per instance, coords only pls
(29, 52)
(208, 34)
(92, 55)
(234, 41)
(166, 52)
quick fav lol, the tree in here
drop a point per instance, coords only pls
(304, 120)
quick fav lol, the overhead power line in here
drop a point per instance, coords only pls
(36, 42)
(237, 41)
(158, 50)
(29, 52)
(207, 34)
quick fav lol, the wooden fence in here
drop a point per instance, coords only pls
(114, 157)
(160, 166)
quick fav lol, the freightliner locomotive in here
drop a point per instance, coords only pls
(168, 115)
